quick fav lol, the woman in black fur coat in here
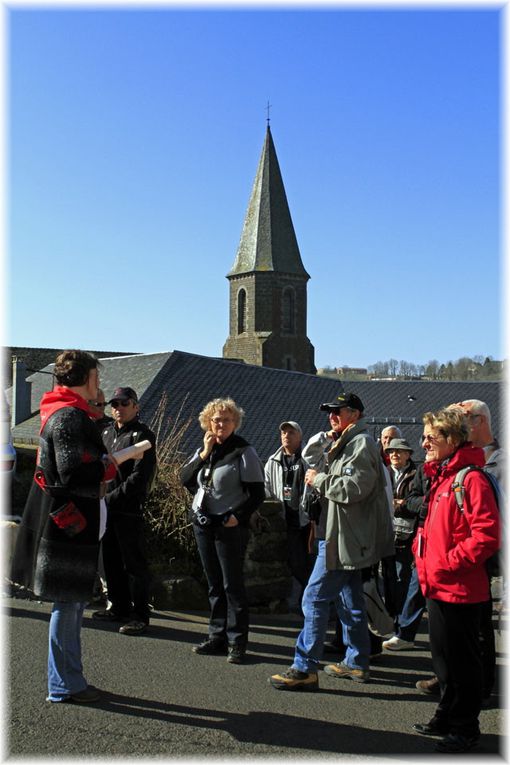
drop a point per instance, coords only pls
(58, 541)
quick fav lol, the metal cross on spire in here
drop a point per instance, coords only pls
(268, 108)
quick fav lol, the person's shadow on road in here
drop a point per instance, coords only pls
(285, 730)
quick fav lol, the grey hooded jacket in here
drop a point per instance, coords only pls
(273, 473)
(359, 530)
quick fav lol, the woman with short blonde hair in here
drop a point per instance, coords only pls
(450, 422)
(217, 405)
(226, 477)
(450, 553)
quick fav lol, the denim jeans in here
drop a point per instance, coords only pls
(345, 590)
(409, 618)
(222, 552)
(65, 670)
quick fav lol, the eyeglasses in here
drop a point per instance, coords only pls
(120, 402)
(101, 404)
(432, 439)
(217, 420)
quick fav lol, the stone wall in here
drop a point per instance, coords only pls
(267, 576)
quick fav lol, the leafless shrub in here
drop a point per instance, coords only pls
(170, 539)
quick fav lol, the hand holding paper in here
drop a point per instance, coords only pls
(133, 452)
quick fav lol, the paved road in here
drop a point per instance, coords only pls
(163, 700)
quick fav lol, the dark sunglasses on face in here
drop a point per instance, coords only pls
(102, 404)
(120, 402)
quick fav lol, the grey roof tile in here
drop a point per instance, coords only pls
(179, 384)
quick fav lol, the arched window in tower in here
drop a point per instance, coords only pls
(288, 311)
(241, 311)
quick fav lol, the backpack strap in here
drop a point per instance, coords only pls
(458, 486)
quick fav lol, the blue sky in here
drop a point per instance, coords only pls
(133, 141)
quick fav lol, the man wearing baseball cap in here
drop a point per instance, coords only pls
(285, 482)
(354, 532)
(125, 563)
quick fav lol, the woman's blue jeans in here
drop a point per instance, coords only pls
(345, 590)
(65, 670)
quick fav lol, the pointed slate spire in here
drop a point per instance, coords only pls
(268, 241)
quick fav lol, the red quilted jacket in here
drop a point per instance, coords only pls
(451, 549)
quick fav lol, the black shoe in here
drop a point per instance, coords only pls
(456, 743)
(236, 654)
(433, 728)
(109, 615)
(210, 646)
(88, 696)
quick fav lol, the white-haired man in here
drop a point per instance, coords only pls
(480, 434)
(388, 434)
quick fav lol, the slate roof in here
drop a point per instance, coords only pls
(268, 240)
(404, 403)
(188, 381)
(138, 371)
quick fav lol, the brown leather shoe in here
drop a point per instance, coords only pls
(429, 686)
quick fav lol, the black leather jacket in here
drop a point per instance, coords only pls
(129, 490)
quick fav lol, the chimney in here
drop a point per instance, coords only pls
(21, 405)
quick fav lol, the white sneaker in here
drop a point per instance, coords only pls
(397, 644)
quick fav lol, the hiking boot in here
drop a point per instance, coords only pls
(294, 680)
(342, 670)
(109, 615)
(429, 686)
(456, 743)
(210, 646)
(133, 628)
(397, 644)
(236, 654)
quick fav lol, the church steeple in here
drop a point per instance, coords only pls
(268, 279)
(268, 241)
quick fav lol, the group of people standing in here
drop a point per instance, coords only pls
(349, 505)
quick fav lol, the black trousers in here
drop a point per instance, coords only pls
(222, 552)
(125, 566)
(457, 661)
(299, 560)
(488, 646)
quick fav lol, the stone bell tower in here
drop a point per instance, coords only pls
(268, 279)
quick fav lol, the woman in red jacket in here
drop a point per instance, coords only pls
(450, 552)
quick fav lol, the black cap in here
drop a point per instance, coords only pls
(344, 399)
(124, 393)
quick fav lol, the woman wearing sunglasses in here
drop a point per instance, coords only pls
(450, 552)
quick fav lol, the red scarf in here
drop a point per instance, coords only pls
(58, 398)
